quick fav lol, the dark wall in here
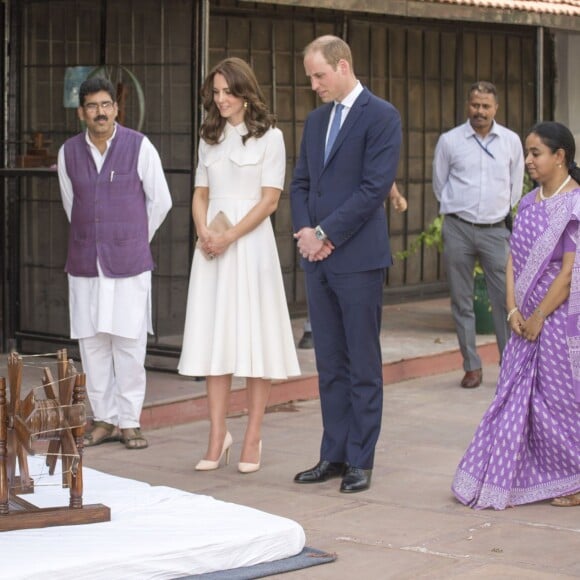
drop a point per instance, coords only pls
(423, 67)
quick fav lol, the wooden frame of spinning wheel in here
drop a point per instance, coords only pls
(16, 441)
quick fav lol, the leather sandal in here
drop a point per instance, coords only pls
(102, 432)
(132, 438)
(567, 500)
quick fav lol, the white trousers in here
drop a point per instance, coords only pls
(116, 379)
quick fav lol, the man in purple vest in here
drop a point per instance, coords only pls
(115, 195)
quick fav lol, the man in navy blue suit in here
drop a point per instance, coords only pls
(347, 165)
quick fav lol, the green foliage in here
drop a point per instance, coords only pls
(429, 237)
(528, 185)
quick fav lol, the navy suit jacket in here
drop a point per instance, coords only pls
(346, 195)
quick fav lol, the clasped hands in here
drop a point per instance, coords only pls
(310, 247)
(213, 244)
(527, 328)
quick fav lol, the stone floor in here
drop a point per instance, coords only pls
(408, 525)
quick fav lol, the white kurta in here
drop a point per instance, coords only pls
(118, 306)
(237, 319)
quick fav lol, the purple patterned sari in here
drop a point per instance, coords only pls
(527, 446)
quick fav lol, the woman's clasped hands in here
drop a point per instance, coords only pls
(529, 328)
(214, 244)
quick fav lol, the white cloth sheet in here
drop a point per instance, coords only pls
(155, 532)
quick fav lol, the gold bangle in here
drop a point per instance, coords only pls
(512, 311)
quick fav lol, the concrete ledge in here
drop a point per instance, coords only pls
(304, 388)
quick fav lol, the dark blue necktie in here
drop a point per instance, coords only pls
(334, 129)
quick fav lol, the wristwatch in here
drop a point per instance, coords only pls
(319, 233)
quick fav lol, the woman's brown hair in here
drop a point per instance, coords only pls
(242, 83)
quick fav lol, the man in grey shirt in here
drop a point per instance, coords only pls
(478, 172)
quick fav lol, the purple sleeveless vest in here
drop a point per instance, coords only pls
(109, 214)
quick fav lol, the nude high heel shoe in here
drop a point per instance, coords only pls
(208, 465)
(244, 467)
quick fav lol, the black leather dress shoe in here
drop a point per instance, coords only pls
(322, 471)
(356, 479)
(306, 341)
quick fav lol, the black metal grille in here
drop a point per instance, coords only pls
(423, 67)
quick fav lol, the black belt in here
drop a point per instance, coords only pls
(495, 225)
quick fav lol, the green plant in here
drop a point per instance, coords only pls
(429, 237)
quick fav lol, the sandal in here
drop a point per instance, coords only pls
(102, 432)
(132, 438)
(567, 500)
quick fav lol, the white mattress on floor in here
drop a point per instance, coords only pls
(155, 532)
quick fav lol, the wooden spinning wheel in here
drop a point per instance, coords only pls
(43, 416)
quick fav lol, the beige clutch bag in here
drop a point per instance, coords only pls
(219, 224)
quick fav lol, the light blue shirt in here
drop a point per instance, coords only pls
(478, 179)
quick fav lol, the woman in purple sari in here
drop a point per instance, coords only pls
(527, 446)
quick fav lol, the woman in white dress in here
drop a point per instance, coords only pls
(237, 321)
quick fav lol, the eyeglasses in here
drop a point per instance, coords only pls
(94, 107)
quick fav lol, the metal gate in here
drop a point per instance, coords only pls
(423, 67)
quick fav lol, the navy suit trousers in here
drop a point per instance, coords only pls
(345, 313)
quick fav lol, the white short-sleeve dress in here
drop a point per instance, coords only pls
(237, 319)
